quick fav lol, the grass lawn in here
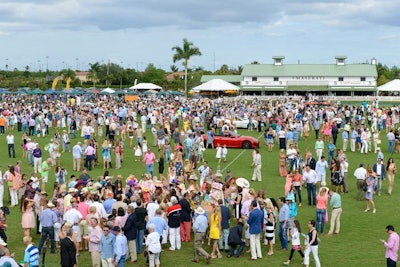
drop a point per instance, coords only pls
(357, 245)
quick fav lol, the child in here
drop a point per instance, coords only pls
(138, 153)
(224, 153)
(218, 155)
(295, 232)
(144, 145)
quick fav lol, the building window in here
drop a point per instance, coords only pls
(362, 79)
(340, 79)
(254, 79)
(276, 79)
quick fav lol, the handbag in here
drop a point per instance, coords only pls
(365, 186)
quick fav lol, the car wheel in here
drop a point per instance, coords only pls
(246, 145)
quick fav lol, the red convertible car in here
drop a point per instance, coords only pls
(233, 140)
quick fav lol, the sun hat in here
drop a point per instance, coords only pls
(199, 210)
(50, 205)
(242, 182)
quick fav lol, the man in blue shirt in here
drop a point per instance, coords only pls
(199, 228)
(47, 219)
(107, 247)
(120, 247)
(284, 213)
(255, 221)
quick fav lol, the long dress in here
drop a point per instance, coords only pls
(28, 218)
(282, 165)
(215, 232)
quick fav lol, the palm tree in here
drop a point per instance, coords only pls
(184, 53)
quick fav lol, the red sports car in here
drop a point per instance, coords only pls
(233, 140)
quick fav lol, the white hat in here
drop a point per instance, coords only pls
(199, 210)
(242, 182)
(71, 190)
(50, 205)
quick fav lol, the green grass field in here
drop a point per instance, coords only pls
(357, 245)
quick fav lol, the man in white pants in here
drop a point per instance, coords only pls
(257, 166)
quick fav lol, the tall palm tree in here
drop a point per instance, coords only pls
(185, 53)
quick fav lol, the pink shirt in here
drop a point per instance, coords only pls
(94, 239)
(322, 202)
(83, 208)
(392, 246)
(149, 158)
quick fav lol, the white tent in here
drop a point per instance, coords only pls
(215, 85)
(145, 86)
(392, 86)
(108, 91)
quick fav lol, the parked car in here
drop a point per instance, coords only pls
(233, 140)
(239, 123)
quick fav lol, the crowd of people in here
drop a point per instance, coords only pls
(113, 217)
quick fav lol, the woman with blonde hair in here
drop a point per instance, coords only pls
(269, 222)
(215, 231)
(28, 218)
(390, 172)
(322, 203)
(282, 163)
(106, 154)
(371, 183)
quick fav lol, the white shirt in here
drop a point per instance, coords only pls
(310, 177)
(10, 139)
(151, 209)
(73, 216)
(360, 173)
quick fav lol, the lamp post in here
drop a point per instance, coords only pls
(47, 63)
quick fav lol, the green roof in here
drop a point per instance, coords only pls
(327, 70)
(226, 78)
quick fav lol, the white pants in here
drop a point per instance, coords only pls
(14, 197)
(154, 259)
(1, 195)
(257, 173)
(37, 164)
(255, 246)
(345, 144)
(314, 250)
(319, 152)
(175, 238)
(57, 228)
(107, 262)
(364, 146)
(353, 144)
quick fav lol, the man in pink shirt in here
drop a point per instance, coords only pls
(94, 242)
(83, 208)
(149, 159)
(392, 246)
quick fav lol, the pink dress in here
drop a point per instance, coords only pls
(288, 184)
(28, 218)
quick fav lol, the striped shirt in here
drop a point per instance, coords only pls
(31, 255)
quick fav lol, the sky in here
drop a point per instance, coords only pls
(56, 34)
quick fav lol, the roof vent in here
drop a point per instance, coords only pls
(278, 60)
(340, 60)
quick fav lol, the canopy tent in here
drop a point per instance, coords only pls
(392, 86)
(215, 85)
(145, 86)
(107, 91)
(37, 91)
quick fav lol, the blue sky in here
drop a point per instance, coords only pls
(134, 33)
